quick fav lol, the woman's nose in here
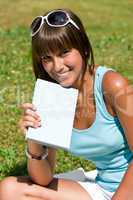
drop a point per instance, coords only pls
(58, 64)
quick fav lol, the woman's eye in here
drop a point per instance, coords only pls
(65, 52)
(47, 59)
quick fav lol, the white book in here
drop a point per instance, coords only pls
(79, 175)
(75, 175)
(56, 107)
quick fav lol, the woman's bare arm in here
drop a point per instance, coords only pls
(40, 171)
(120, 94)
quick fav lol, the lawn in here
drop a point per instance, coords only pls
(110, 28)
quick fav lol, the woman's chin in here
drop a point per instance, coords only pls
(66, 84)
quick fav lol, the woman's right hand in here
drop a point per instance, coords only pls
(29, 118)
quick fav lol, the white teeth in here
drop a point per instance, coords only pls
(65, 72)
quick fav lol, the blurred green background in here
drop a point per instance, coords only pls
(109, 25)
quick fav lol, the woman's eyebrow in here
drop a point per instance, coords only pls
(46, 56)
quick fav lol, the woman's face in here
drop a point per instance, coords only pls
(66, 68)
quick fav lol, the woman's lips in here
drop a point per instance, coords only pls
(63, 75)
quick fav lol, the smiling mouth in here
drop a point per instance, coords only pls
(63, 75)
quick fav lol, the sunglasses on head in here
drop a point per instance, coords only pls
(56, 18)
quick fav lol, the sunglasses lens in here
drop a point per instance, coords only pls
(57, 18)
(36, 24)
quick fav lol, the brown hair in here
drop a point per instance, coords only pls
(52, 40)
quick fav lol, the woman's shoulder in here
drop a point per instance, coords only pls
(114, 84)
(113, 81)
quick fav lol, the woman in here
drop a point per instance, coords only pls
(102, 130)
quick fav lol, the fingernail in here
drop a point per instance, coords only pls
(34, 108)
(39, 124)
(39, 119)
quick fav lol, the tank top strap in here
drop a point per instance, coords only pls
(98, 91)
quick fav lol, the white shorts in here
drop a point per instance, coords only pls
(95, 191)
(87, 181)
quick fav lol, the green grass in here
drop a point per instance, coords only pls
(109, 26)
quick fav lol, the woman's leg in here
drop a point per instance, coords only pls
(21, 188)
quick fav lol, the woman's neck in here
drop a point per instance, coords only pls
(86, 89)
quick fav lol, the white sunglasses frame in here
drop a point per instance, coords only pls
(46, 18)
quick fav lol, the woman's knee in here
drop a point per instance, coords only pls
(8, 187)
(15, 188)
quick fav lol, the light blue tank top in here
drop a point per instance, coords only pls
(104, 142)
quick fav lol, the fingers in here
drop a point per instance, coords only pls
(32, 113)
(28, 106)
(29, 121)
(30, 118)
